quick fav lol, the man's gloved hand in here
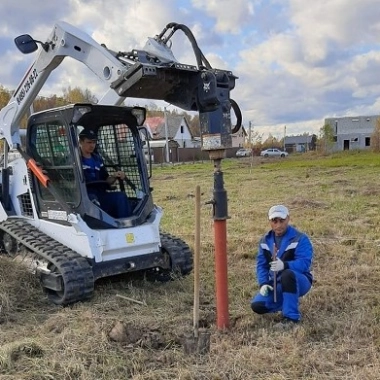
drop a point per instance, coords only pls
(276, 265)
(264, 290)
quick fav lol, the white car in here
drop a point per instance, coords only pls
(273, 152)
(243, 152)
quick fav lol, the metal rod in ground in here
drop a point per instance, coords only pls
(199, 341)
(274, 258)
(197, 247)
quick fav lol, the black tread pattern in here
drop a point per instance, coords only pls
(181, 260)
(179, 252)
(76, 272)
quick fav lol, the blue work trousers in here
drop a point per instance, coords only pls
(291, 286)
(115, 203)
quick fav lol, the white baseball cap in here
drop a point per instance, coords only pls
(278, 211)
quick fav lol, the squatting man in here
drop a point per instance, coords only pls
(289, 268)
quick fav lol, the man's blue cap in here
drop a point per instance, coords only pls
(88, 134)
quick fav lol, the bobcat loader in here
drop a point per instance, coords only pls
(45, 207)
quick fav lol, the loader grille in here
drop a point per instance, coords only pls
(26, 205)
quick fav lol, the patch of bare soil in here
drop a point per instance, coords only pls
(132, 335)
(370, 190)
(307, 203)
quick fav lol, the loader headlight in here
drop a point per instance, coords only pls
(140, 114)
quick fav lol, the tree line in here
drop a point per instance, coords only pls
(255, 140)
(77, 95)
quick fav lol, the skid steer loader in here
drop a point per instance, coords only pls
(45, 204)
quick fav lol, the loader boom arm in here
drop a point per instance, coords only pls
(64, 41)
(153, 73)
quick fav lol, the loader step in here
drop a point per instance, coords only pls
(71, 272)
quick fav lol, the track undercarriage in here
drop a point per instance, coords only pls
(66, 276)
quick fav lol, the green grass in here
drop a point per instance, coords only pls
(335, 199)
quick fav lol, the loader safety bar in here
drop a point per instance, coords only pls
(32, 165)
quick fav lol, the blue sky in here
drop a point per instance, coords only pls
(298, 61)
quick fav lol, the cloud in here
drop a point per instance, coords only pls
(330, 24)
(26, 17)
(298, 62)
(318, 65)
(229, 16)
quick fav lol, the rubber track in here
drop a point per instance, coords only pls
(76, 272)
(179, 252)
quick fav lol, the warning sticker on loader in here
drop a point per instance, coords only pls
(129, 238)
(211, 142)
(57, 215)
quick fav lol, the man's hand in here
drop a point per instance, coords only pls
(120, 175)
(264, 290)
(277, 265)
(113, 178)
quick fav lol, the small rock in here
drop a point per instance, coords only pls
(118, 333)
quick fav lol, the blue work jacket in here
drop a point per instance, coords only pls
(296, 251)
(94, 169)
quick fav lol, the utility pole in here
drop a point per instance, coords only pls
(166, 137)
(284, 136)
(250, 134)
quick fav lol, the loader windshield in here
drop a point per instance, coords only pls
(49, 146)
(95, 184)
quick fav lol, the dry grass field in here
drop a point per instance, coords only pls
(335, 199)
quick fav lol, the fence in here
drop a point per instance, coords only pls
(185, 154)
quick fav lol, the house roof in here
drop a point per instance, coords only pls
(241, 129)
(156, 125)
(298, 139)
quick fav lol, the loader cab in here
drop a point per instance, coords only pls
(53, 142)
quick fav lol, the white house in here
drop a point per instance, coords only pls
(176, 129)
(238, 138)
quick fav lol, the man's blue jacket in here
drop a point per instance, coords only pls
(296, 251)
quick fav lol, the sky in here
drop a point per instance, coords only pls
(297, 62)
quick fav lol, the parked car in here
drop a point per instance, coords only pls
(244, 152)
(273, 152)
